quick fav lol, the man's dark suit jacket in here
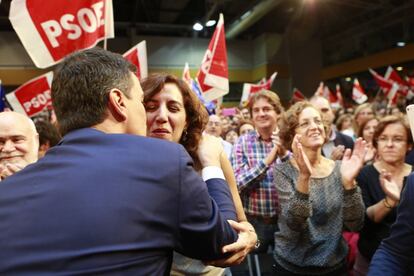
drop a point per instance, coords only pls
(342, 139)
(110, 204)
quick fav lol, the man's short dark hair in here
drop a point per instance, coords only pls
(81, 84)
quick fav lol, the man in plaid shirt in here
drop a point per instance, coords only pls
(253, 159)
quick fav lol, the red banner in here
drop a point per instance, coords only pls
(213, 74)
(137, 55)
(358, 93)
(297, 96)
(50, 30)
(249, 88)
(388, 86)
(32, 97)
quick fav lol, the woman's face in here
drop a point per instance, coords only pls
(392, 143)
(364, 115)
(369, 129)
(245, 128)
(231, 136)
(311, 128)
(166, 117)
(346, 123)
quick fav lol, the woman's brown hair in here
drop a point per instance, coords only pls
(289, 121)
(389, 120)
(196, 114)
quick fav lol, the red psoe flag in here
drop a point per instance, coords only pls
(339, 95)
(249, 89)
(50, 30)
(358, 93)
(33, 96)
(389, 87)
(297, 96)
(213, 74)
(137, 55)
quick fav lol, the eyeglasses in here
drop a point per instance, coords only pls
(265, 109)
(394, 140)
(307, 123)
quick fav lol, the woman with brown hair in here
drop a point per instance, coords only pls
(318, 198)
(362, 113)
(392, 140)
(366, 131)
(174, 113)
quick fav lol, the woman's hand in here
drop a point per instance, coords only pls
(352, 163)
(305, 168)
(371, 151)
(391, 189)
(239, 249)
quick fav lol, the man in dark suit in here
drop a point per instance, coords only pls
(337, 142)
(106, 200)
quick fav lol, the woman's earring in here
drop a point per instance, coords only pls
(184, 136)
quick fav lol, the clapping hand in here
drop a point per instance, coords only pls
(9, 169)
(352, 163)
(338, 152)
(371, 151)
(300, 157)
(391, 189)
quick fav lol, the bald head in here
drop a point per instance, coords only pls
(19, 141)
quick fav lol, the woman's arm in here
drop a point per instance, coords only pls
(377, 212)
(231, 180)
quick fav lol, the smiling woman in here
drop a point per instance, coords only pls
(317, 198)
(175, 114)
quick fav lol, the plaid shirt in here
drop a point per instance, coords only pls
(254, 178)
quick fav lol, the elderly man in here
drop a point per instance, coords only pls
(335, 147)
(107, 200)
(19, 143)
(214, 127)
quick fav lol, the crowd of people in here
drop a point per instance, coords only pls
(322, 191)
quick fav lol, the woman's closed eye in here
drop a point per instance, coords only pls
(174, 107)
(149, 106)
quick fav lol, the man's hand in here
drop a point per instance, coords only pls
(338, 152)
(209, 151)
(239, 249)
(10, 169)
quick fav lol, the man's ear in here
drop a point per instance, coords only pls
(116, 105)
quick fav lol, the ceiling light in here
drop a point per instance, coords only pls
(348, 79)
(197, 27)
(210, 23)
(399, 68)
(400, 43)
